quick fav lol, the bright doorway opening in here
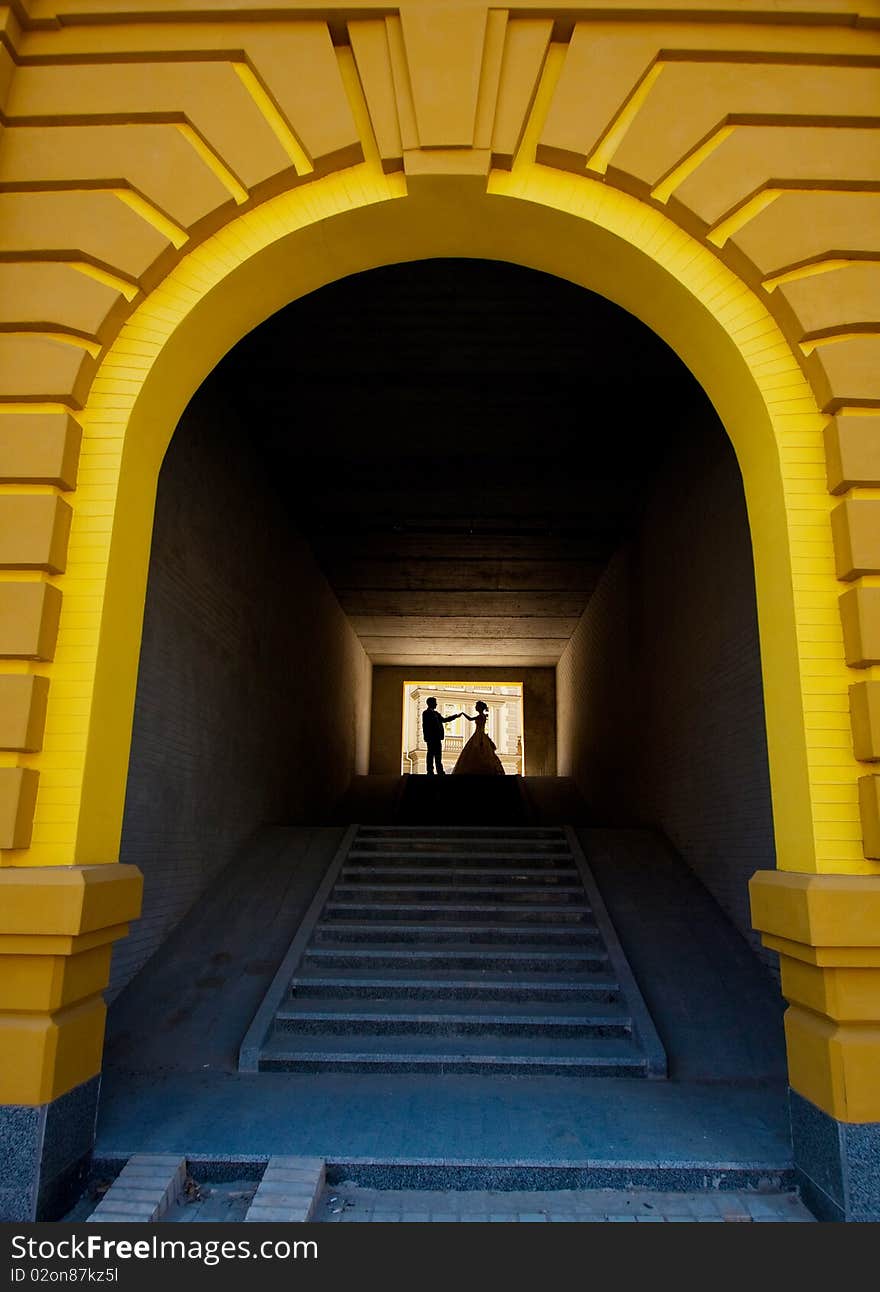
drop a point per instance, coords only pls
(504, 728)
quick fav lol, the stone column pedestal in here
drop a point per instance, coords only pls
(826, 929)
(57, 929)
(46, 1151)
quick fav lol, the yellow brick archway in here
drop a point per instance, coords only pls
(605, 241)
(582, 232)
(676, 220)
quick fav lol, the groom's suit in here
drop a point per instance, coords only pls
(432, 729)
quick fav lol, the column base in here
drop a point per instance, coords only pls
(838, 1163)
(46, 1151)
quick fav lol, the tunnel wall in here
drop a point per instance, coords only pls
(660, 701)
(539, 711)
(248, 670)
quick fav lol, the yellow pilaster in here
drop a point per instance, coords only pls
(826, 929)
(57, 928)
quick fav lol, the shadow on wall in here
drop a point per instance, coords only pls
(253, 695)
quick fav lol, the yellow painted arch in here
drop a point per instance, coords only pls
(572, 227)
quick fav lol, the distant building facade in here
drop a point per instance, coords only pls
(504, 727)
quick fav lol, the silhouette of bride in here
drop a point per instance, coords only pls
(478, 758)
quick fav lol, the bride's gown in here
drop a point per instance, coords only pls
(478, 758)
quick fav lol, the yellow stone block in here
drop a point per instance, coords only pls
(445, 102)
(29, 615)
(44, 1055)
(834, 1065)
(860, 617)
(846, 995)
(23, 699)
(18, 796)
(869, 807)
(59, 944)
(852, 452)
(864, 707)
(68, 899)
(39, 448)
(845, 372)
(831, 957)
(817, 910)
(855, 525)
(48, 983)
(34, 529)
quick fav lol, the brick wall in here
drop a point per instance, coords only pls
(253, 694)
(596, 701)
(660, 703)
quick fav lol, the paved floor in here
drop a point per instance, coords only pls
(228, 1201)
(224, 1201)
(349, 1202)
(406, 1118)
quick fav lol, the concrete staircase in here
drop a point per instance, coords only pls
(456, 949)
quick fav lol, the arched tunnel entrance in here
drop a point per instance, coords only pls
(412, 472)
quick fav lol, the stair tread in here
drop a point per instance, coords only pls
(491, 839)
(495, 854)
(530, 872)
(430, 831)
(568, 908)
(427, 927)
(490, 951)
(453, 978)
(303, 1007)
(398, 1048)
(351, 889)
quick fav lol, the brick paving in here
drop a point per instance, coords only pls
(231, 1200)
(289, 1190)
(349, 1202)
(145, 1188)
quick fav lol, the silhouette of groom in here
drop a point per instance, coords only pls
(432, 729)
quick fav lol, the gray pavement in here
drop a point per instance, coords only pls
(554, 1121)
(229, 1200)
(221, 1202)
(349, 1202)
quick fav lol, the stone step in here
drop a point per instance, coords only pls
(411, 985)
(461, 873)
(460, 831)
(449, 1018)
(469, 852)
(540, 1056)
(535, 915)
(551, 894)
(465, 949)
(460, 956)
(429, 933)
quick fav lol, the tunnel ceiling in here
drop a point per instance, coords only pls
(470, 442)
